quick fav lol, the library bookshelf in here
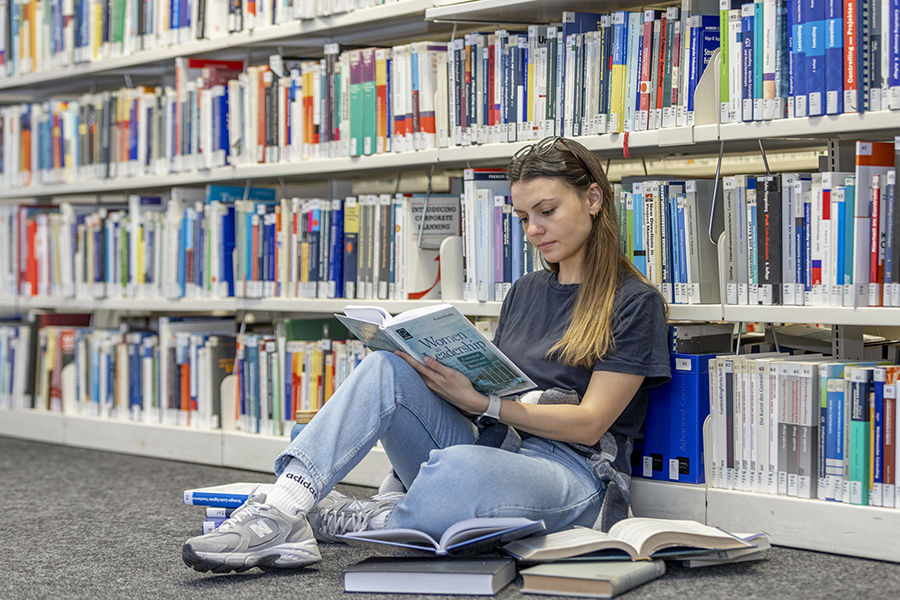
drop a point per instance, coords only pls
(812, 524)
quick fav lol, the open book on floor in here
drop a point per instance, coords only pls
(630, 539)
(465, 538)
(443, 333)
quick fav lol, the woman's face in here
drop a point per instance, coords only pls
(557, 221)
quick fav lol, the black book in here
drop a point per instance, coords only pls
(391, 575)
(768, 202)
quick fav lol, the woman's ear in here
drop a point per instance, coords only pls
(595, 199)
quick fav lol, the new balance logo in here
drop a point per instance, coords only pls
(261, 529)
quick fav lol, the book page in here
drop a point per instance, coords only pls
(406, 538)
(650, 535)
(566, 544)
(372, 314)
(470, 529)
(369, 333)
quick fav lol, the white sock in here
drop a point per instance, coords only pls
(293, 491)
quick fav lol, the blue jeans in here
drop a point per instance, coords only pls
(429, 444)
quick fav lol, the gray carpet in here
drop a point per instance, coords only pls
(86, 524)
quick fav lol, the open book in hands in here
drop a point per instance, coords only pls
(630, 539)
(465, 538)
(443, 333)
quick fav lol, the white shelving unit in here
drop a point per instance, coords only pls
(696, 312)
(209, 447)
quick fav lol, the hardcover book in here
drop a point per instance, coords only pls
(589, 579)
(426, 575)
(229, 495)
(444, 334)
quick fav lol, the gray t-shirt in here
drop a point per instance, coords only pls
(534, 317)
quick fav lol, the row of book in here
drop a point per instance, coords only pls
(591, 74)
(228, 241)
(39, 35)
(810, 427)
(804, 425)
(663, 225)
(172, 371)
(820, 239)
(277, 377)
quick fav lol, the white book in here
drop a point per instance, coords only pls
(802, 191)
(732, 239)
(743, 248)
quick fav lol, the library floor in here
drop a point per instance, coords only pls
(80, 523)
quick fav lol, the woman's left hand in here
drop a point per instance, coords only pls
(448, 383)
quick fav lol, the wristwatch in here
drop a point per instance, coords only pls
(493, 409)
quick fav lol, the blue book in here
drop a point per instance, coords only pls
(834, 57)
(230, 495)
(877, 479)
(839, 225)
(704, 41)
(336, 253)
(252, 400)
(796, 60)
(682, 245)
(834, 439)
(314, 232)
(657, 430)
(814, 47)
(516, 258)
(682, 405)
(672, 208)
(849, 231)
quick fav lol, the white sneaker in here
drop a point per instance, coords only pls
(338, 514)
(256, 535)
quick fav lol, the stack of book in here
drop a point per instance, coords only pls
(587, 562)
(219, 501)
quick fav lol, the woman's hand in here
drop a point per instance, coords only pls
(449, 384)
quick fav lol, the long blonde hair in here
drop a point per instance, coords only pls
(589, 335)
